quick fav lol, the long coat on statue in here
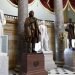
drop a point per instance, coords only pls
(31, 30)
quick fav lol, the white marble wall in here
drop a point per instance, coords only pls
(3, 64)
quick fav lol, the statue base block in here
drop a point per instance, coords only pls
(49, 62)
(69, 57)
(32, 64)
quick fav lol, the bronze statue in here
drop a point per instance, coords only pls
(70, 30)
(31, 31)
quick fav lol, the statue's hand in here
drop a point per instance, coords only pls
(40, 33)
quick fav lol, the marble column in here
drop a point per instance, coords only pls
(22, 14)
(59, 32)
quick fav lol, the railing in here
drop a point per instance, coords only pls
(10, 16)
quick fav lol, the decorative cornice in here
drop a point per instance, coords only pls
(11, 19)
(15, 2)
(14, 19)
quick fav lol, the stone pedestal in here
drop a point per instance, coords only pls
(22, 15)
(69, 58)
(32, 64)
(59, 32)
(49, 62)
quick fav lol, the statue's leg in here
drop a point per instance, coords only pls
(33, 45)
(46, 44)
(27, 45)
(70, 43)
(30, 45)
(42, 43)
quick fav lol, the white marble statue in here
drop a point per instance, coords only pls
(2, 22)
(44, 36)
(49, 62)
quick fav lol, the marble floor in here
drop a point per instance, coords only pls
(60, 71)
(56, 71)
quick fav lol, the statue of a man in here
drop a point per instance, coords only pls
(44, 36)
(70, 30)
(31, 32)
(2, 22)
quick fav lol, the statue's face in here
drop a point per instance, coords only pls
(43, 22)
(31, 14)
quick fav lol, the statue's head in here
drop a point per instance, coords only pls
(31, 13)
(70, 20)
(43, 22)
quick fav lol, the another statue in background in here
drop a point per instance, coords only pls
(31, 32)
(44, 37)
(70, 30)
(2, 22)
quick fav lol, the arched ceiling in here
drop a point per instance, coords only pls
(49, 4)
(16, 1)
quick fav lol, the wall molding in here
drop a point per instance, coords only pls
(11, 19)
